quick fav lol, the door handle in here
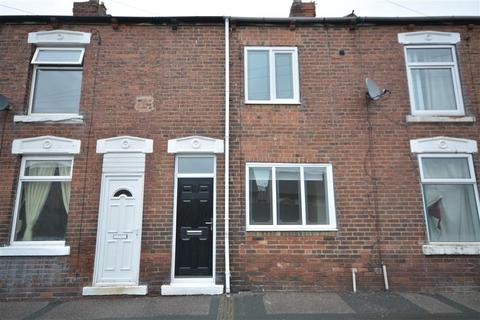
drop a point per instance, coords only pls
(194, 232)
(208, 222)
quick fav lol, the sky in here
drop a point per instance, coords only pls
(250, 8)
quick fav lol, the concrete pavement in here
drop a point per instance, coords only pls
(248, 306)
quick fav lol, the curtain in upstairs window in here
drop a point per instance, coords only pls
(433, 89)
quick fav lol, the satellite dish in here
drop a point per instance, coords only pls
(4, 103)
(373, 91)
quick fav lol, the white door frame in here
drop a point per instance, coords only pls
(194, 146)
(124, 157)
(214, 215)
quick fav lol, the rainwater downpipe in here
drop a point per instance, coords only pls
(227, 156)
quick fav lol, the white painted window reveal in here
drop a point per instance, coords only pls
(289, 197)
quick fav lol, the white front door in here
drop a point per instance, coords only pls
(119, 236)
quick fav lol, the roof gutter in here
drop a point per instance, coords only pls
(360, 20)
(108, 19)
(445, 20)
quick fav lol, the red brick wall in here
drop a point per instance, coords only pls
(183, 71)
(331, 126)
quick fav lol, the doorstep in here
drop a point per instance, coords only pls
(115, 290)
(191, 287)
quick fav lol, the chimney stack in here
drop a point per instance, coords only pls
(302, 9)
(89, 8)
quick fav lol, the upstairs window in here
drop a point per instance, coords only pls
(432, 72)
(290, 197)
(57, 81)
(271, 75)
(433, 79)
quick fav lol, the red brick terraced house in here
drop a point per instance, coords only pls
(202, 155)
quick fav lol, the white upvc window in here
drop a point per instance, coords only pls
(450, 197)
(43, 196)
(433, 80)
(56, 81)
(271, 75)
(432, 72)
(289, 197)
(42, 202)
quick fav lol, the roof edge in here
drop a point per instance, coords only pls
(441, 20)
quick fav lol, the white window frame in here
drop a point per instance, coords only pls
(32, 91)
(61, 66)
(448, 146)
(453, 66)
(76, 62)
(424, 181)
(332, 226)
(36, 248)
(295, 81)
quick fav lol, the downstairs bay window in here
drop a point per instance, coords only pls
(290, 197)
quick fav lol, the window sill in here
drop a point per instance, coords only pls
(54, 118)
(291, 228)
(451, 249)
(274, 102)
(434, 118)
(35, 251)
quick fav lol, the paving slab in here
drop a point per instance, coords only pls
(429, 303)
(130, 308)
(381, 304)
(19, 309)
(248, 306)
(304, 303)
(470, 300)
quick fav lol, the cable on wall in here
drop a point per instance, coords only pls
(96, 34)
(369, 162)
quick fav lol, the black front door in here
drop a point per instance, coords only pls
(193, 248)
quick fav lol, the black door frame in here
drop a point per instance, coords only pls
(214, 225)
